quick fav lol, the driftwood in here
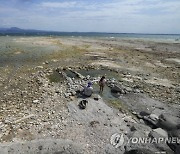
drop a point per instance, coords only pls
(24, 118)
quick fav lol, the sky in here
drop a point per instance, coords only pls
(116, 16)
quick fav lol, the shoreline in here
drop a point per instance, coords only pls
(146, 71)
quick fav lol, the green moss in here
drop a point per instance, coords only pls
(116, 104)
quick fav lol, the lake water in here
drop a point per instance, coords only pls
(174, 37)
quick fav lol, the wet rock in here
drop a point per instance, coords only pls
(118, 89)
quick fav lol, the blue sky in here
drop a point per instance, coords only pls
(124, 16)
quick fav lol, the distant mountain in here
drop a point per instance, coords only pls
(18, 30)
(3, 29)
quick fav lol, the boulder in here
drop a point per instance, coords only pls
(118, 89)
(167, 122)
(176, 134)
(152, 119)
(144, 113)
(161, 145)
(161, 132)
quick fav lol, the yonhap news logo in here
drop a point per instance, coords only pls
(118, 140)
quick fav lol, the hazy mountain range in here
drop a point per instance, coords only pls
(18, 30)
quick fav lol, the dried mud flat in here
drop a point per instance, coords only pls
(39, 109)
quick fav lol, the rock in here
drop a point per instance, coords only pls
(73, 93)
(144, 113)
(133, 128)
(67, 95)
(116, 89)
(175, 134)
(134, 112)
(128, 119)
(157, 134)
(152, 119)
(96, 97)
(39, 67)
(167, 122)
(137, 91)
(178, 89)
(88, 77)
(46, 62)
(36, 101)
(143, 134)
(141, 130)
(160, 132)
(128, 89)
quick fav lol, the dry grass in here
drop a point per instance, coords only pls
(68, 52)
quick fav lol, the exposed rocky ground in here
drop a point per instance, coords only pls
(39, 102)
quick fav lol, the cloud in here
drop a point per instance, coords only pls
(151, 16)
(58, 4)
